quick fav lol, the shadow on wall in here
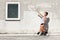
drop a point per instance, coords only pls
(47, 24)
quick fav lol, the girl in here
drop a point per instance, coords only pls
(43, 23)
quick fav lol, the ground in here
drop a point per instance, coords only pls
(29, 37)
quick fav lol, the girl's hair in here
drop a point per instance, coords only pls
(46, 13)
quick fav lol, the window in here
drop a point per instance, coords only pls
(12, 11)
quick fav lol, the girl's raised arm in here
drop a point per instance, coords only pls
(39, 14)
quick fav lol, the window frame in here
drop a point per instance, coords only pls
(7, 10)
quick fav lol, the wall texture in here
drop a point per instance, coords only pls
(29, 20)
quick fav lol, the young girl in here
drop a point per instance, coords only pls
(43, 23)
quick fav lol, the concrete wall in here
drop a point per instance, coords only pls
(29, 20)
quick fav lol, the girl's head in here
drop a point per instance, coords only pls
(46, 13)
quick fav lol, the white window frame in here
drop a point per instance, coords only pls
(18, 10)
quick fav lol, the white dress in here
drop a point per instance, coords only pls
(42, 20)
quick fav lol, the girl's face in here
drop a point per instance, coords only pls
(45, 14)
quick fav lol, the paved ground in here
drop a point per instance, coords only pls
(32, 37)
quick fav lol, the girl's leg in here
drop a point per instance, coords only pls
(42, 28)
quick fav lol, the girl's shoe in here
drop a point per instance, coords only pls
(45, 33)
(38, 33)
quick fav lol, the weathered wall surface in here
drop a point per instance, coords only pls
(29, 20)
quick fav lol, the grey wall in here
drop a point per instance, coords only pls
(24, 6)
(52, 6)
